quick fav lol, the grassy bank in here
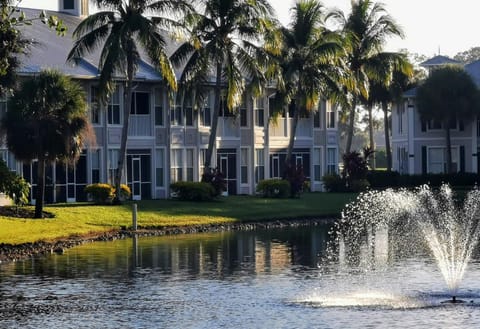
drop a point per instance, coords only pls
(83, 219)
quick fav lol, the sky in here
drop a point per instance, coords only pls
(431, 27)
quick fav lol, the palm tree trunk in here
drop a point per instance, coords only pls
(351, 126)
(291, 142)
(126, 120)
(216, 112)
(388, 149)
(449, 149)
(370, 135)
(40, 195)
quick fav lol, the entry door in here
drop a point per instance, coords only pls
(227, 163)
(136, 178)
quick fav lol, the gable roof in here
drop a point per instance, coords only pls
(50, 51)
(439, 60)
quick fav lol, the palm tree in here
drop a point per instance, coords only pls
(365, 30)
(226, 39)
(385, 93)
(123, 29)
(307, 66)
(47, 120)
(448, 95)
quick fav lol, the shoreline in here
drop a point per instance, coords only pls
(14, 253)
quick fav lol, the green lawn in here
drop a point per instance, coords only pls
(82, 219)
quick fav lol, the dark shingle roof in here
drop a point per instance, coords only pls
(51, 50)
(439, 60)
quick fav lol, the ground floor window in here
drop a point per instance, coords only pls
(176, 161)
(112, 164)
(244, 166)
(317, 164)
(437, 160)
(159, 167)
(332, 162)
(259, 165)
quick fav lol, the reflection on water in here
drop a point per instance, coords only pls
(280, 278)
(211, 255)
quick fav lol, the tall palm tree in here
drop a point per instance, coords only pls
(226, 40)
(307, 66)
(365, 30)
(123, 29)
(47, 120)
(384, 93)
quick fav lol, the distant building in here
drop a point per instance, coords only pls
(418, 147)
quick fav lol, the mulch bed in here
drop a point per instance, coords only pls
(21, 212)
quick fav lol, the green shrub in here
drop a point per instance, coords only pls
(13, 185)
(381, 179)
(193, 191)
(274, 188)
(358, 185)
(100, 193)
(103, 193)
(216, 178)
(334, 183)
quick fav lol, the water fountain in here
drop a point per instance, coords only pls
(449, 230)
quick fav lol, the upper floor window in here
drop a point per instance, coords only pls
(114, 108)
(158, 107)
(94, 106)
(316, 119)
(176, 118)
(259, 112)
(243, 113)
(188, 110)
(140, 103)
(330, 117)
(68, 4)
(3, 105)
(205, 113)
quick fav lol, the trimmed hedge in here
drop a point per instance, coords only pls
(274, 188)
(193, 191)
(102, 193)
(385, 179)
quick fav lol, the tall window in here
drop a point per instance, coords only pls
(244, 166)
(201, 156)
(189, 165)
(112, 164)
(316, 119)
(95, 166)
(176, 113)
(140, 103)
(158, 107)
(243, 113)
(437, 160)
(94, 106)
(159, 168)
(259, 165)
(205, 115)
(114, 108)
(330, 116)
(317, 164)
(400, 112)
(259, 112)
(332, 162)
(187, 106)
(176, 165)
(3, 105)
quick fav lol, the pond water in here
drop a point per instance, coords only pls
(258, 279)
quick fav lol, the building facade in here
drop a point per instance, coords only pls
(419, 147)
(167, 140)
